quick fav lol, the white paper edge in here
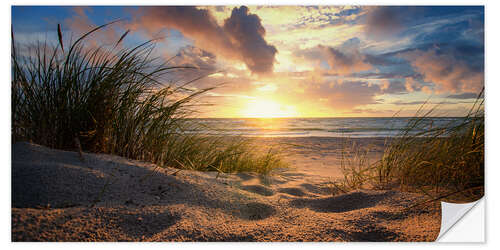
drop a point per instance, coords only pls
(462, 222)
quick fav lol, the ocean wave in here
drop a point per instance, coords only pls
(324, 127)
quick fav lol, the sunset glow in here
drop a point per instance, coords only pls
(306, 61)
(259, 108)
(270, 123)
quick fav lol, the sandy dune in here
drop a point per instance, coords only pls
(57, 197)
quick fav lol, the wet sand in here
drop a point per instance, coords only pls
(57, 197)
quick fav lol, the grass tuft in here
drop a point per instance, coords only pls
(117, 102)
(445, 162)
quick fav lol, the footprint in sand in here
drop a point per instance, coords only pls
(258, 189)
(245, 176)
(292, 191)
(256, 211)
(369, 232)
(316, 189)
(343, 203)
(143, 223)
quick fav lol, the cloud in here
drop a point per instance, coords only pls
(399, 102)
(195, 57)
(423, 23)
(446, 71)
(379, 60)
(80, 23)
(241, 37)
(383, 21)
(200, 62)
(247, 34)
(373, 112)
(464, 96)
(394, 87)
(411, 84)
(344, 95)
(340, 61)
(345, 62)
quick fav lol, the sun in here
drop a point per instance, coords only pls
(262, 108)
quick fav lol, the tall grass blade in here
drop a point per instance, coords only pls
(59, 36)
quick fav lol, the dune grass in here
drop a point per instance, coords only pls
(443, 162)
(118, 101)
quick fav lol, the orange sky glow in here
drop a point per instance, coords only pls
(299, 61)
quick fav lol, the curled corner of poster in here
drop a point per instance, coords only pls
(462, 222)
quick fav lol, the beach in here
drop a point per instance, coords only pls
(56, 196)
(243, 123)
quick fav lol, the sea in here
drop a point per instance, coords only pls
(360, 127)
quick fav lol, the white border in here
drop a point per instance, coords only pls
(492, 126)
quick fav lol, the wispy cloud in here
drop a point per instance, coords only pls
(326, 60)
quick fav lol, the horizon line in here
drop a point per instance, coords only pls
(319, 117)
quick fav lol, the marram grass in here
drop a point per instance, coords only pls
(444, 162)
(116, 101)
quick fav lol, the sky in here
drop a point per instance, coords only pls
(296, 61)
